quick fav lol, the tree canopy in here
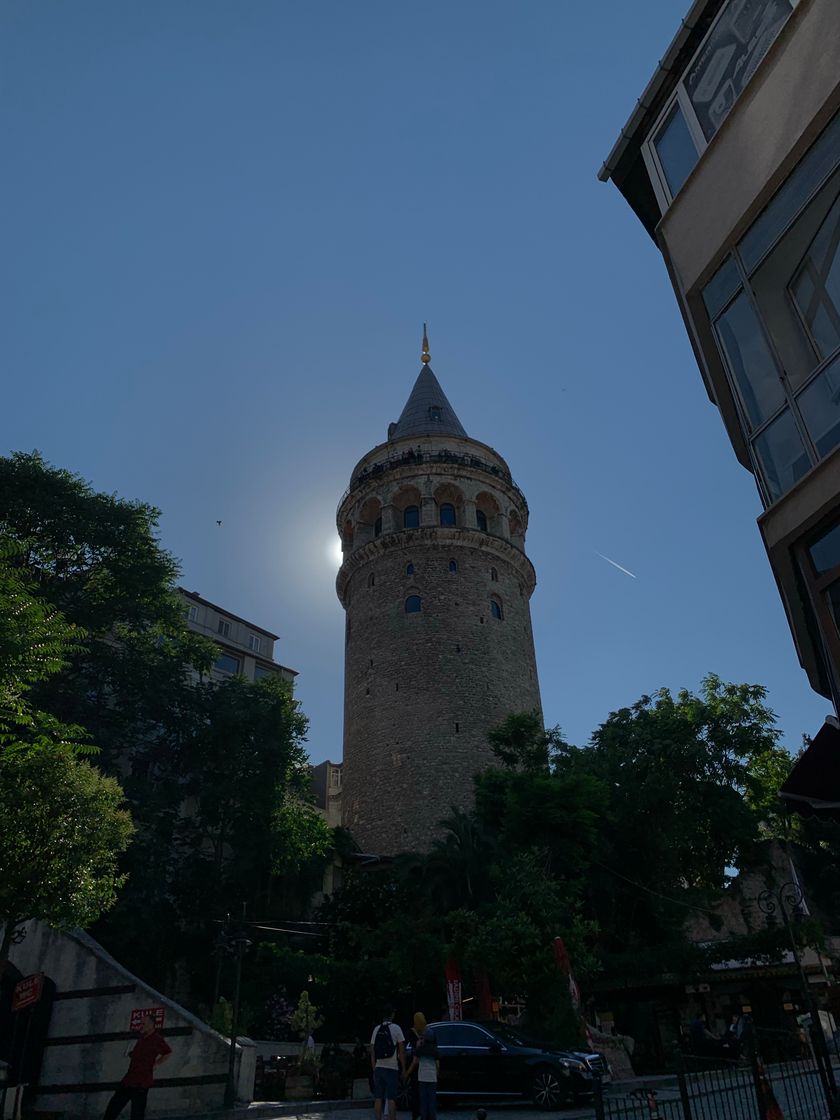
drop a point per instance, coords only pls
(215, 773)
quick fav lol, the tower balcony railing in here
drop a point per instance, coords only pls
(412, 457)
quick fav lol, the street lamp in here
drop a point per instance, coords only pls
(788, 899)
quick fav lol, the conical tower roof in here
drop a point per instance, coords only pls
(427, 411)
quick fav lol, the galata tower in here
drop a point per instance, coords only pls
(438, 641)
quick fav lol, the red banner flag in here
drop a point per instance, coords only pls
(453, 989)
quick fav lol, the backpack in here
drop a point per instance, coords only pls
(384, 1045)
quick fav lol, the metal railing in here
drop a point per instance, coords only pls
(412, 458)
(777, 1077)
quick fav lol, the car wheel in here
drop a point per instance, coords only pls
(547, 1091)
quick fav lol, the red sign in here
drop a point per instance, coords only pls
(453, 989)
(140, 1013)
(27, 991)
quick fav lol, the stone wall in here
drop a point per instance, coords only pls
(86, 1052)
(422, 689)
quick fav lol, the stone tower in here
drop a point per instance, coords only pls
(438, 642)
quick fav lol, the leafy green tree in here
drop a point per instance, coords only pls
(35, 643)
(62, 828)
(678, 774)
(215, 774)
(62, 824)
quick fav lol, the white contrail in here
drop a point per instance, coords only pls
(603, 557)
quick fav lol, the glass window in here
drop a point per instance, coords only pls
(496, 609)
(809, 174)
(254, 643)
(224, 628)
(675, 149)
(447, 514)
(411, 517)
(435, 413)
(750, 362)
(377, 526)
(815, 289)
(494, 575)
(722, 286)
(413, 604)
(825, 553)
(371, 579)
(227, 664)
(729, 56)
(453, 566)
(832, 596)
(260, 672)
(461, 1034)
(820, 408)
(781, 456)
(409, 569)
(481, 520)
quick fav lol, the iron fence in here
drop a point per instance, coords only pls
(777, 1077)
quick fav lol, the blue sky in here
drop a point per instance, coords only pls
(226, 223)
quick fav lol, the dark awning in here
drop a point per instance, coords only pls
(813, 786)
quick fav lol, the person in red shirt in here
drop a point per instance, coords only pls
(151, 1051)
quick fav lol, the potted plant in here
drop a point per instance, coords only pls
(300, 1086)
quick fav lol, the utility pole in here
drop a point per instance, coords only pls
(237, 942)
(788, 899)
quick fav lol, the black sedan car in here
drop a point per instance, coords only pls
(492, 1061)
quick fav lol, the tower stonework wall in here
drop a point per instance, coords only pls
(423, 688)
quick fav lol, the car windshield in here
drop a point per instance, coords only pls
(513, 1035)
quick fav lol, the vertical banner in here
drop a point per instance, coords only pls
(453, 989)
(561, 955)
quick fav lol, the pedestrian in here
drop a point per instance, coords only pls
(425, 1065)
(387, 1058)
(412, 1038)
(151, 1051)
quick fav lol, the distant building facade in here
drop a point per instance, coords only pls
(245, 649)
(326, 790)
(731, 161)
(436, 588)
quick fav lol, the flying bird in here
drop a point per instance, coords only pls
(603, 557)
(218, 522)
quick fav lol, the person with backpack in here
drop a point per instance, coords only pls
(387, 1056)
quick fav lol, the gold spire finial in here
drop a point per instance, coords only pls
(426, 356)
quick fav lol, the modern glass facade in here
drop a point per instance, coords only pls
(774, 305)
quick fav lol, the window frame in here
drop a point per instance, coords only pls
(414, 610)
(790, 395)
(223, 628)
(254, 643)
(231, 672)
(650, 156)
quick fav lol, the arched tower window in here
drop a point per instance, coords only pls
(411, 517)
(447, 514)
(413, 604)
(369, 523)
(496, 608)
(481, 520)
(494, 575)
(453, 565)
(409, 569)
